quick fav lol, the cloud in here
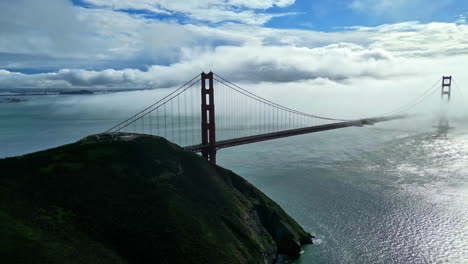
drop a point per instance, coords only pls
(69, 36)
(433, 39)
(416, 39)
(341, 63)
(400, 9)
(52, 27)
(106, 49)
(461, 19)
(101, 38)
(243, 11)
(285, 63)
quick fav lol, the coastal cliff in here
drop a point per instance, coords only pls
(127, 198)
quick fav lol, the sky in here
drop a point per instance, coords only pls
(109, 44)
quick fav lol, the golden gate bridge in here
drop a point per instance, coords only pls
(209, 113)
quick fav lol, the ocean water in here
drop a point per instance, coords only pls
(390, 193)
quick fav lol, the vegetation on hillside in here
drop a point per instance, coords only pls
(135, 199)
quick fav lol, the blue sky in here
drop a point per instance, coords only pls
(330, 15)
(146, 43)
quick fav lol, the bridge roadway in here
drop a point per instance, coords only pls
(292, 132)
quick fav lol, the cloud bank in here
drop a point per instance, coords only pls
(103, 47)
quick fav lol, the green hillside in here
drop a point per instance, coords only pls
(135, 199)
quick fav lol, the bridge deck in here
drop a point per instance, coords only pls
(292, 132)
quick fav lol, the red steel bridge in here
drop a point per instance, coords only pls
(209, 113)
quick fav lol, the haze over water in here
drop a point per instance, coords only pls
(390, 193)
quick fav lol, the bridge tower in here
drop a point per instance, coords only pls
(208, 127)
(446, 94)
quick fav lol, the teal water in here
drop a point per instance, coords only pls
(369, 196)
(390, 193)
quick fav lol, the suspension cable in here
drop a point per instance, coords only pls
(268, 102)
(416, 102)
(157, 107)
(458, 88)
(123, 122)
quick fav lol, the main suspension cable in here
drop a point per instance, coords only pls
(429, 92)
(142, 111)
(157, 107)
(268, 102)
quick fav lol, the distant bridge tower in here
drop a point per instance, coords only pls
(446, 94)
(208, 126)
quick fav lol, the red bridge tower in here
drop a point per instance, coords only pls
(208, 127)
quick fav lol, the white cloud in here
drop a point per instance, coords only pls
(130, 51)
(341, 63)
(52, 28)
(461, 19)
(286, 64)
(185, 6)
(244, 11)
(94, 37)
(416, 39)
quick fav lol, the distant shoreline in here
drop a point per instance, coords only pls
(27, 94)
(11, 100)
(80, 92)
(18, 92)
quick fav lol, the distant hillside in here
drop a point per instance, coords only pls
(11, 100)
(135, 199)
(77, 92)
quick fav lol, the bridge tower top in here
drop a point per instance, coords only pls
(446, 94)
(446, 87)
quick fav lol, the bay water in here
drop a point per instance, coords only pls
(390, 193)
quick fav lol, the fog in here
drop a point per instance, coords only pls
(353, 100)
